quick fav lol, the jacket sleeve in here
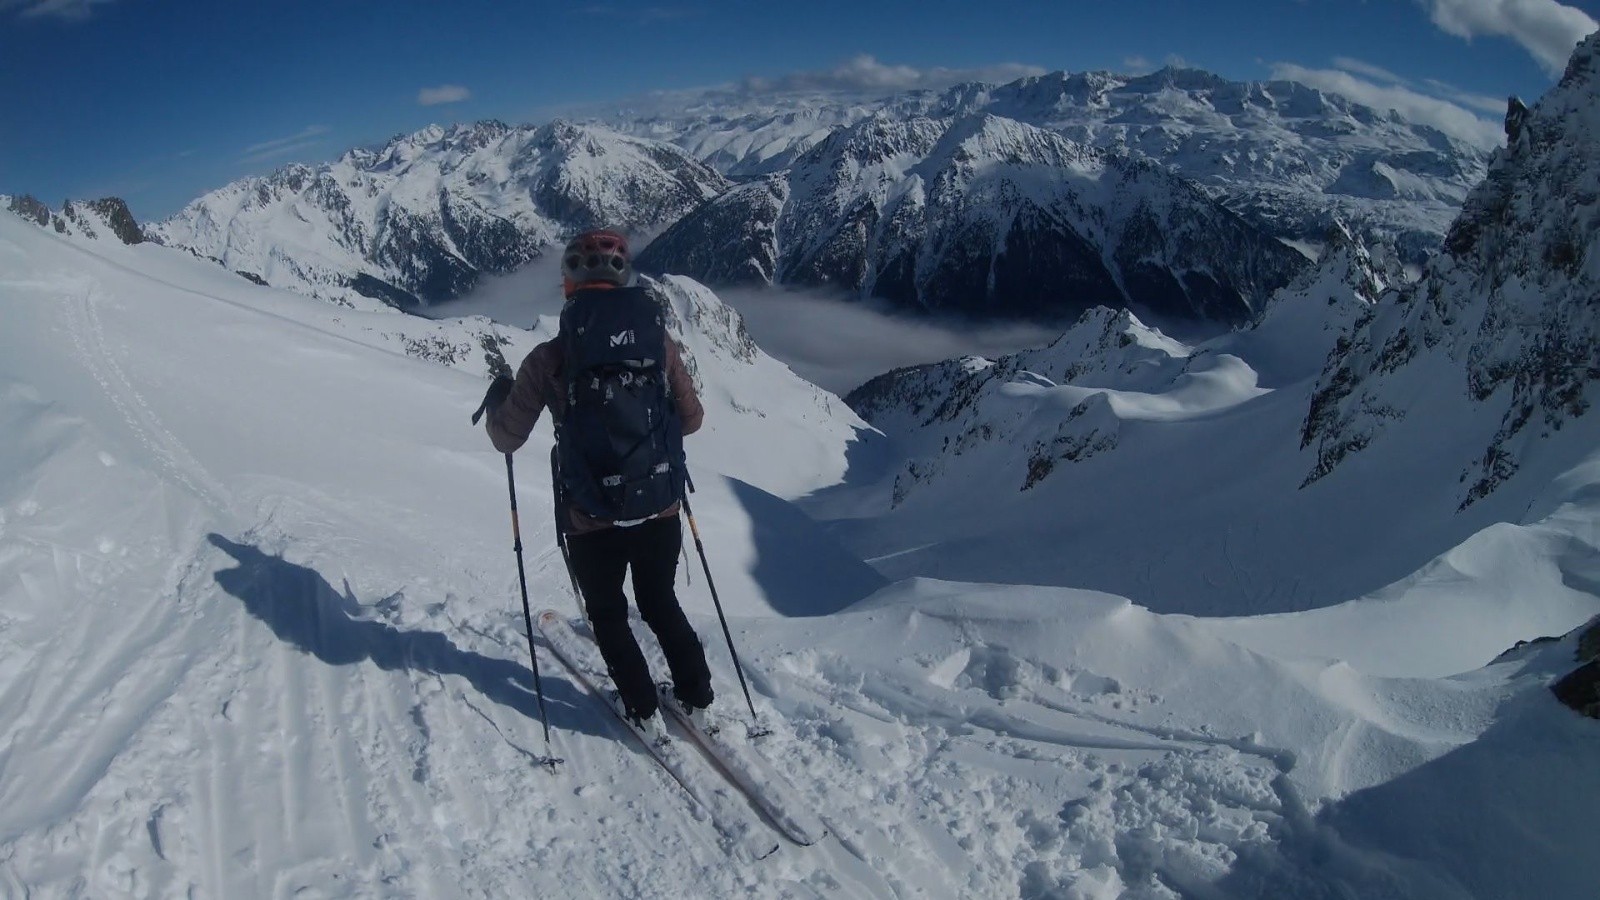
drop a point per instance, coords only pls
(690, 412)
(510, 424)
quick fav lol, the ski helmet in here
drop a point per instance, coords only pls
(596, 255)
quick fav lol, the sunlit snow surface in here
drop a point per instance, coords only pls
(260, 636)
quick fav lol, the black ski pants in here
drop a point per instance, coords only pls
(600, 560)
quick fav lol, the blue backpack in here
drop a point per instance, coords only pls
(619, 449)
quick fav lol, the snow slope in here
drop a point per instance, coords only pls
(259, 637)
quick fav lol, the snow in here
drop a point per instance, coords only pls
(260, 632)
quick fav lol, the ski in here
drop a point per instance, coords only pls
(752, 775)
(734, 820)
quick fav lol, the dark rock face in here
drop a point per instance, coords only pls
(1580, 688)
(116, 214)
(31, 209)
(985, 216)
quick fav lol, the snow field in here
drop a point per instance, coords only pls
(261, 637)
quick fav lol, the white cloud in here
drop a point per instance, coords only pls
(284, 146)
(1432, 87)
(1495, 106)
(864, 74)
(1425, 109)
(71, 10)
(1366, 69)
(1545, 28)
(1137, 65)
(444, 93)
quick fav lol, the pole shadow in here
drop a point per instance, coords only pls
(306, 612)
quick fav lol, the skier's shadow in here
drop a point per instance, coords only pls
(305, 611)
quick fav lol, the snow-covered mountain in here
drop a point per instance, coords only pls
(982, 215)
(1444, 407)
(1504, 322)
(1290, 156)
(418, 219)
(107, 217)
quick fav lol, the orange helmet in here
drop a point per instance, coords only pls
(598, 255)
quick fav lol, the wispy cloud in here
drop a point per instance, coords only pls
(1423, 108)
(865, 74)
(1137, 65)
(1545, 28)
(1495, 106)
(444, 93)
(1366, 69)
(284, 146)
(69, 10)
(1430, 87)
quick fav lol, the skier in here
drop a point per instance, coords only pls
(612, 378)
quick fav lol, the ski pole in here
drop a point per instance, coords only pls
(700, 547)
(527, 613)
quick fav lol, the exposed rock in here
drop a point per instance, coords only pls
(94, 219)
(1580, 688)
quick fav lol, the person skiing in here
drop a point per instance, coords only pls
(621, 400)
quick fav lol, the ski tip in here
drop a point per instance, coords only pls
(549, 763)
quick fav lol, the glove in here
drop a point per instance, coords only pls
(499, 390)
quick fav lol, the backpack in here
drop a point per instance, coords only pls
(619, 448)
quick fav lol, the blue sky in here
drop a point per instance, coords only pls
(157, 101)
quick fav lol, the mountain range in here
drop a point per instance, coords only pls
(1290, 157)
(1042, 197)
(421, 218)
(986, 216)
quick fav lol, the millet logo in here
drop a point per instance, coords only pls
(622, 339)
